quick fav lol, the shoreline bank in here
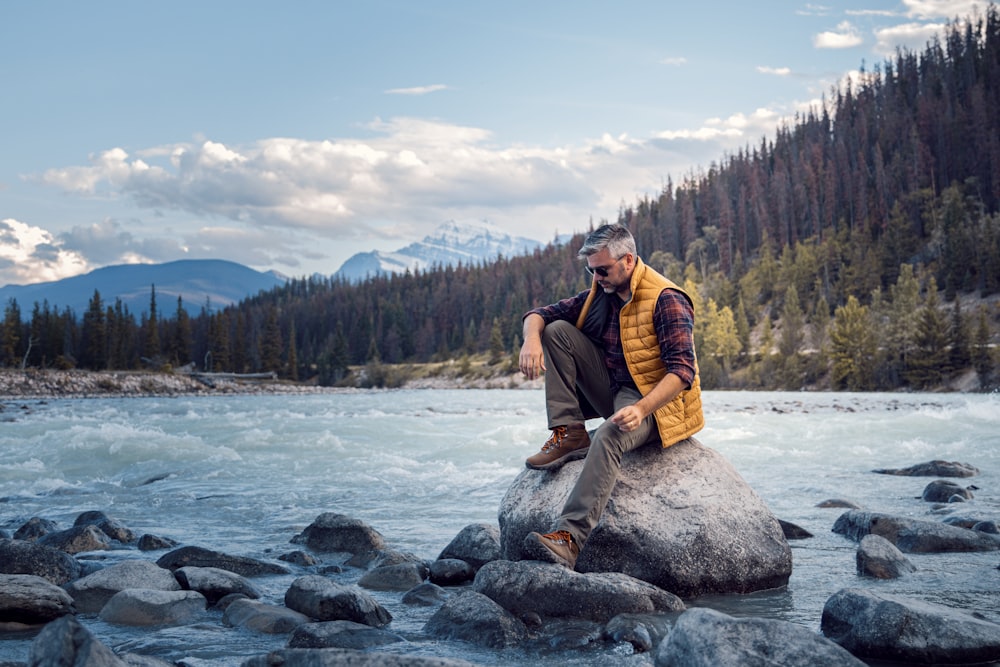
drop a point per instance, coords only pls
(34, 384)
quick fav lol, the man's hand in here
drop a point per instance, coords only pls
(532, 359)
(628, 418)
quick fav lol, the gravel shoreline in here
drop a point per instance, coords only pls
(41, 384)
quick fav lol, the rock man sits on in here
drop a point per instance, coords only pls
(622, 350)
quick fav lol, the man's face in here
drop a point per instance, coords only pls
(618, 271)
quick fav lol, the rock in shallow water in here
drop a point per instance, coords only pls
(892, 627)
(681, 518)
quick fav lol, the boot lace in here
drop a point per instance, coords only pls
(556, 439)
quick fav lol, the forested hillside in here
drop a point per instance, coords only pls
(859, 248)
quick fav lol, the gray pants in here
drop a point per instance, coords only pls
(577, 387)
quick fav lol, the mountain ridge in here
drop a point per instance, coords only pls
(210, 283)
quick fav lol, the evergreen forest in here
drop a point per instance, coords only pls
(857, 249)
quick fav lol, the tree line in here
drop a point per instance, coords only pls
(859, 248)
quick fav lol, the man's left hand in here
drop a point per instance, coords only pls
(628, 418)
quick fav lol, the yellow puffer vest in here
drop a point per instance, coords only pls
(682, 417)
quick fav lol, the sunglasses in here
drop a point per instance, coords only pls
(602, 271)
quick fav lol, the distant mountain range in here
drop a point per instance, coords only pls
(199, 282)
(450, 244)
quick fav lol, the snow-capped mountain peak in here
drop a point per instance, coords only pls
(452, 242)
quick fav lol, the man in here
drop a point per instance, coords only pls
(622, 350)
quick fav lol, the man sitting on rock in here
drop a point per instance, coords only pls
(622, 350)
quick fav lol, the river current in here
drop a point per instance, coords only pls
(243, 474)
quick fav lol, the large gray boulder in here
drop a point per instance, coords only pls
(325, 600)
(475, 618)
(476, 544)
(22, 557)
(936, 468)
(553, 591)
(708, 638)
(27, 599)
(338, 532)
(93, 591)
(878, 557)
(66, 643)
(913, 535)
(147, 607)
(214, 583)
(681, 518)
(891, 627)
(192, 556)
(78, 539)
(262, 617)
(341, 634)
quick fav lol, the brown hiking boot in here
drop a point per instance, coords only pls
(558, 547)
(567, 443)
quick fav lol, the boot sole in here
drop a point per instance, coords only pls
(575, 455)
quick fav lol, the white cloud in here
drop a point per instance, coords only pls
(845, 36)
(417, 90)
(911, 36)
(937, 9)
(776, 71)
(30, 254)
(674, 62)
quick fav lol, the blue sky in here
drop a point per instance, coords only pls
(290, 136)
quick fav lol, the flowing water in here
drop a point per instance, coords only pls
(244, 474)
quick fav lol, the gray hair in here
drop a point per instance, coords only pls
(613, 236)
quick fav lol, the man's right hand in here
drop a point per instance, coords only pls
(532, 359)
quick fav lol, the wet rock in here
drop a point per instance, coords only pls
(214, 583)
(838, 502)
(401, 577)
(262, 617)
(155, 543)
(300, 558)
(341, 634)
(793, 532)
(451, 572)
(20, 557)
(113, 528)
(913, 535)
(680, 518)
(936, 468)
(144, 606)
(707, 638)
(878, 557)
(337, 532)
(425, 595)
(880, 626)
(943, 491)
(78, 539)
(34, 528)
(555, 591)
(475, 618)
(199, 557)
(344, 657)
(93, 591)
(989, 527)
(325, 600)
(66, 642)
(643, 631)
(572, 634)
(476, 544)
(28, 599)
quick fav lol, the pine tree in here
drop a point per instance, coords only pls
(10, 340)
(928, 364)
(959, 355)
(853, 347)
